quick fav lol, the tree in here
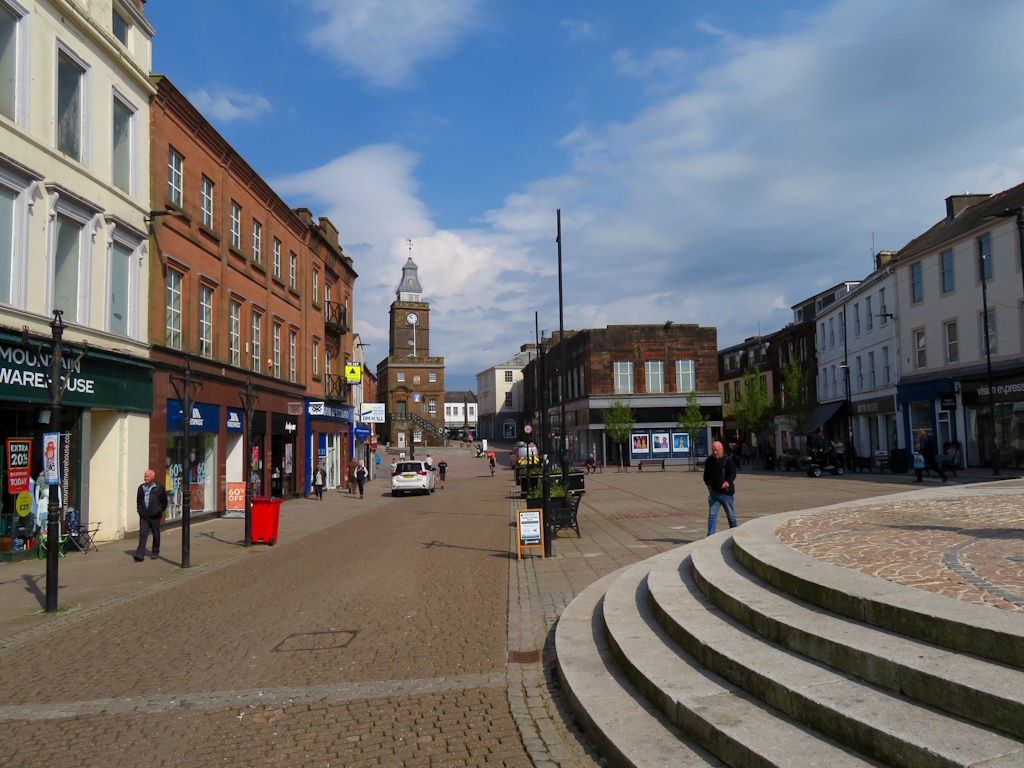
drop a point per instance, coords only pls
(799, 401)
(753, 411)
(693, 423)
(619, 421)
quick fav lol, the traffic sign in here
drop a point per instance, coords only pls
(528, 429)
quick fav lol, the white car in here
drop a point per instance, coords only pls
(412, 476)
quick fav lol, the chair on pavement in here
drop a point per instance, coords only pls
(80, 535)
(62, 539)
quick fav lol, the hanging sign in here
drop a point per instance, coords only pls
(19, 463)
(353, 373)
(51, 470)
(529, 530)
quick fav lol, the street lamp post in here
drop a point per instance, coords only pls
(186, 388)
(248, 398)
(53, 506)
(563, 375)
(988, 362)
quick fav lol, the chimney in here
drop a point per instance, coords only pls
(885, 258)
(955, 204)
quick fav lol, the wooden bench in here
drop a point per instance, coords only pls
(651, 463)
(864, 462)
(563, 518)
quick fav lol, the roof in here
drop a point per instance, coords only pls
(460, 395)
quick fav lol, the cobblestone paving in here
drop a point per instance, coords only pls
(970, 548)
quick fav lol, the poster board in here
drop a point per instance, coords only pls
(529, 531)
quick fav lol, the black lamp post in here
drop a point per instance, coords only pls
(186, 388)
(563, 374)
(56, 384)
(988, 362)
(248, 398)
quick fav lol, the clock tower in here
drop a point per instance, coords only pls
(411, 377)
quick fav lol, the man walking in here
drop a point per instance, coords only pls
(720, 477)
(929, 449)
(150, 501)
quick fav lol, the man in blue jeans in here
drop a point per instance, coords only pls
(720, 477)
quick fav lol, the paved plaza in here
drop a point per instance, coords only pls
(377, 631)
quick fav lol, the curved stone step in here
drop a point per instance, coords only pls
(873, 721)
(627, 729)
(718, 715)
(984, 691)
(975, 629)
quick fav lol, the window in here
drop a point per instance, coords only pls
(946, 270)
(989, 324)
(432, 406)
(803, 349)
(205, 321)
(885, 365)
(952, 345)
(508, 399)
(120, 287)
(257, 331)
(831, 333)
(623, 375)
(120, 27)
(70, 106)
(235, 332)
(316, 357)
(8, 217)
(293, 264)
(985, 257)
(292, 347)
(257, 241)
(736, 391)
(68, 267)
(725, 395)
(277, 350)
(869, 318)
(508, 377)
(842, 330)
(316, 285)
(835, 385)
(175, 172)
(206, 202)
(327, 362)
(856, 319)
(173, 334)
(916, 286)
(871, 370)
(883, 313)
(860, 375)
(400, 376)
(236, 225)
(10, 71)
(821, 337)
(277, 258)
(686, 377)
(919, 349)
(432, 377)
(122, 149)
(654, 376)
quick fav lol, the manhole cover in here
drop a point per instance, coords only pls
(318, 641)
(524, 657)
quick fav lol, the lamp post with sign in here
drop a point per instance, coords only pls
(186, 388)
(248, 398)
(56, 384)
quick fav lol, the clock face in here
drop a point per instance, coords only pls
(412, 318)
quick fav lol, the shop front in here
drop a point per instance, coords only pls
(1008, 398)
(930, 405)
(329, 430)
(204, 430)
(875, 425)
(283, 433)
(105, 403)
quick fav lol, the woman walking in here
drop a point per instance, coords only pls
(318, 482)
(361, 476)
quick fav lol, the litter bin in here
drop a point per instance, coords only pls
(898, 461)
(266, 514)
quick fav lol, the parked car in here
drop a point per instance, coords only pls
(412, 477)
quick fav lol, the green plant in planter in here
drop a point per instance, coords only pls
(557, 491)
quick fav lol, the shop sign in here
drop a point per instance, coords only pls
(871, 406)
(236, 497)
(947, 402)
(353, 373)
(234, 420)
(23, 504)
(371, 413)
(203, 417)
(360, 431)
(19, 463)
(88, 382)
(1007, 390)
(51, 446)
(322, 410)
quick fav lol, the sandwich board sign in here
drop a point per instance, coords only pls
(529, 531)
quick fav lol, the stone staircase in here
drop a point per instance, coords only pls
(738, 650)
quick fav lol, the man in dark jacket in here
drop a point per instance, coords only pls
(928, 449)
(720, 477)
(151, 501)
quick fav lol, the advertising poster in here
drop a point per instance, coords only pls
(51, 469)
(236, 497)
(680, 444)
(640, 445)
(660, 443)
(19, 464)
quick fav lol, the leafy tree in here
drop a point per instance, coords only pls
(619, 421)
(799, 400)
(753, 412)
(693, 423)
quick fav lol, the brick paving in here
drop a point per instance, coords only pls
(376, 632)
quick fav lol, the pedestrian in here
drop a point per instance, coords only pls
(150, 502)
(318, 482)
(927, 448)
(361, 476)
(591, 464)
(428, 461)
(350, 479)
(442, 470)
(720, 477)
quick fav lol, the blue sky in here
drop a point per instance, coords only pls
(715, 163)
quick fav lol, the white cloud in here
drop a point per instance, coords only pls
(382, 42)
(225, 104)
(577, 29)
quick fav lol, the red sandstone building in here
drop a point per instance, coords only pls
(245, 292)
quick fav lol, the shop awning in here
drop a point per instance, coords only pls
(824, 412)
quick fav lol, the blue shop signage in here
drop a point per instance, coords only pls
(234, 420)
(204, 417)
(360, 431)
(322, 410)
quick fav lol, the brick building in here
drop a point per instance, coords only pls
(652, 368)
(236, 284)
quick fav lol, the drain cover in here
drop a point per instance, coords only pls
(318, 641)
(524, 657)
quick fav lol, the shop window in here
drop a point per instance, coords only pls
(202, 450)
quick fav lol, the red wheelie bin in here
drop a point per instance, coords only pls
(266, 514)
